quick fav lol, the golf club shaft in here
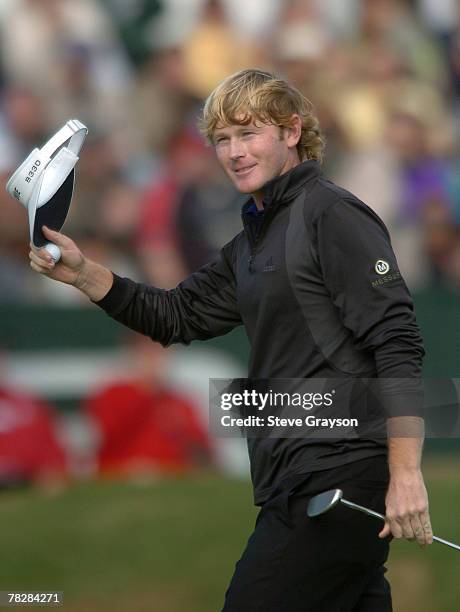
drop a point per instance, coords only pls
(446, 542)
(362, 509)
(380, 516)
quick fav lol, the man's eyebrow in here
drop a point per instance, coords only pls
(240, 127)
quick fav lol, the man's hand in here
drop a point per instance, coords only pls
(73, 268)
(69, 267)
(407, 507)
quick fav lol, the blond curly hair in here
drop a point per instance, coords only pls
(253, 94)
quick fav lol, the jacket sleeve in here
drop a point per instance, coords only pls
(204, 305)
(362, 275)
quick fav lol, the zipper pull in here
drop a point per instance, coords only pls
(250, 260)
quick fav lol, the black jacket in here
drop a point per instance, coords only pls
(318, 289)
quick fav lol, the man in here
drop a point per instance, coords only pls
(315, 282)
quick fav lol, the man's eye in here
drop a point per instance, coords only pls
(248, 133)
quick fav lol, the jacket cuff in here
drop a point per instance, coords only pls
(403, 404)
(118, 296)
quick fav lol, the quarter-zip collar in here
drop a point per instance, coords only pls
(282, 189)
(278, 192)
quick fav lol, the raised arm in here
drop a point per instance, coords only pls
(204, 305)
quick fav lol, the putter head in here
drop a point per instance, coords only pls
(323, 502)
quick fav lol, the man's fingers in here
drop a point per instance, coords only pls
(396, 530)
(60, 239)
(407, 530)
(426, 525)
(385, 531)
(43, 269)
(42, 259)
(394, 527)
(417, 529)
(421, 527)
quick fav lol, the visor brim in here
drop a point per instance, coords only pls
(53, 214)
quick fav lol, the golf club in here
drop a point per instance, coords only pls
(319, 504)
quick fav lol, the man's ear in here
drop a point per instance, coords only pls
(293, 131)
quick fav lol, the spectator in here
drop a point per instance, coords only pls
(214, 50)
(30, 451)
(352, 58)
(145, 427)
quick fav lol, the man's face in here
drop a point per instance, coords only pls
(254, 154)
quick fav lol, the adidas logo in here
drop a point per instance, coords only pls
(269, 265)
(17, 193)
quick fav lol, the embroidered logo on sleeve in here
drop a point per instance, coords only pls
(382, 267)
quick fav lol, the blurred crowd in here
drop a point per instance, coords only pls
(136, 425)
(150, 202)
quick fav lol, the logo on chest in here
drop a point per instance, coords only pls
(269, 265)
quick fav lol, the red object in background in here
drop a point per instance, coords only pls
(188, 159)
(29, 449)
(146, 430)
(158, 212)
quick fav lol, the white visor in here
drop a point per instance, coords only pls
(44, 181)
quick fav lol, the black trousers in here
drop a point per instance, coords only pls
(331, 563)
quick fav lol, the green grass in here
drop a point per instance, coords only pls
(432, 581)
(173, 542)
(171, 546)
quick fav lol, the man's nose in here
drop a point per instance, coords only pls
(236, 149)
